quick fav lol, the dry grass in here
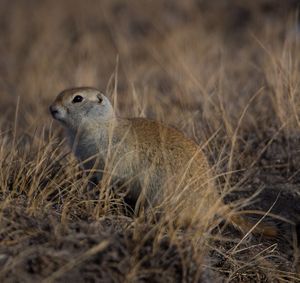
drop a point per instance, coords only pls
(229, 81)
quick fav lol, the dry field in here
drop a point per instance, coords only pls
(224, 72)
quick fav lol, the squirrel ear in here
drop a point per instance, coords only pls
(100, 98)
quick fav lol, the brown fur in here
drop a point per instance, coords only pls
(163, 165)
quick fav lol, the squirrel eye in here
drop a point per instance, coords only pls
(77, 99)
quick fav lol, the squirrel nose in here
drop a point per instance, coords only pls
(53, 110)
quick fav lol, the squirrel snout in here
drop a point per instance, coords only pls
(54, 111)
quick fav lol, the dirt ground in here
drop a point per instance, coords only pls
(224, 72)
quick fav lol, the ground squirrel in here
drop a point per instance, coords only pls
(160, 162)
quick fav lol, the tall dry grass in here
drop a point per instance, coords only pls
(234, 94)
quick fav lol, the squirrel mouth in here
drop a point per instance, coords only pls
(54, 112)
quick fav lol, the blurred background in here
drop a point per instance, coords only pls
(177, 52)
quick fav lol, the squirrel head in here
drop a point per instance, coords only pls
(77, 106)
